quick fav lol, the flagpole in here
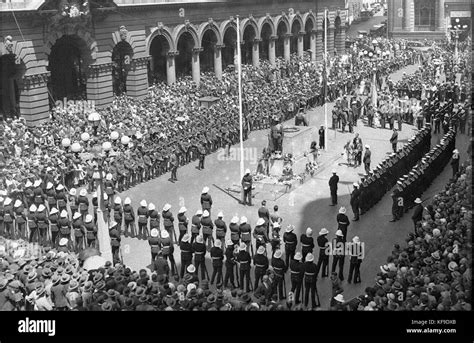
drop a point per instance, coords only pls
(239, 77)
(326, 83)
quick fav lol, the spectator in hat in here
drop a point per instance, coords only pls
(355, 201)
(455, 162)
(417, 212)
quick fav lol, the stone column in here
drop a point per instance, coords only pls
(34, 102)
(137, 78)
(341, 40)
(301, 43)
(171, 67)
(99, 84)
(312, 44)
(441, 23)
(255, 52)
(408, 15)
(319, 45)
(218, 61)
(196, 68)
(286, 46)
(330, 41)
(271, 50)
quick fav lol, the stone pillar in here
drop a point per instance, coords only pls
(196, 69)
(171, 67)
(218, 61)
(319, 45)
(99, 84)
(137, 78)
(286, 46)
(34, 102)
(441, 23)
(341, 40)
(271, 50)
(301, 43)
(255, 52)
(312, 44)
(330, 41)
(408, 15)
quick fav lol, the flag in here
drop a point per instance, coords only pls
(374, 92)
(103, 227)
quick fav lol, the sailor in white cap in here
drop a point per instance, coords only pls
(118, 211)
(367, 158)
(128, 218)
(207, 229)
(417, 212)
(234, 229)
(260, 233)
(356, 254)
(291, 241)
(333, 181)
(245, 233)
(355, 201)
(38, 193)
(154, 242)
(342, 221)
(8, 217)
(310, 277)
(338, 245)
(260, 261)
(72, 198)
(217, 257)
(279, 268)
(230, 253)
(196, 225)
(50, 195)
(247, 181)
(83, 202)
(221, 228)
(61, 197)
(307, 242)
(78, 229)
(323, 260)
(53, 225)
(91, 230)
(296, 275)
(206, 200)
(455, 162)
(199, 249)
(142, 214)
(182, 223)
(244, 260)
(186, 249)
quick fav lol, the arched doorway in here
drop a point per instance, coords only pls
(230, 39)
(265, 43)
(159, 49)
(206, 58)
(68, 62)
(295, 29)
(307, 37)
(185, 57)
(121, 58)
(12, 70)
(249, 36)
(280, 42)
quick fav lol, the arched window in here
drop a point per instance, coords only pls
(425, 15)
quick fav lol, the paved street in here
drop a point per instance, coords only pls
(377, 19)
(306, 206)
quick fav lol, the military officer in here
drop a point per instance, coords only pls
(221, 228)
(196, 225)
(323, 259)
(290, 240)
(279, 269)
(182, 223)
(310, 277)
(186, 249)
(217, 256)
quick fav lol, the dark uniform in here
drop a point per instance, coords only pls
(355, 202)
(78, 227)
(234, 229)
(154, 246)
(245, 234)
(91, 233)
(247, 189)
(229, 265)
(199, 249)
(142, 214)
(260, 262)
(221, 229)
(182, 225)
(333, 188)
(43, 225)
(244, 261)
(310, 277)
(168, 220)
(307, 245)
(290, 240)
(195, 226)
(323, 259)
(296, 278)
(115, 244)
(129, 220)
(338, 256)
(217, 256)
(207, 230)
(355, 261)
(279, 268)
(186, 249)
(53, 224)
(342, 223)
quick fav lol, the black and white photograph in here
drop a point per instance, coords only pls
(309, 156)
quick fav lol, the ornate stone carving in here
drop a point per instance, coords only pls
(95, 70)
(36, 80)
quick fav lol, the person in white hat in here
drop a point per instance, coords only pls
(154, 242)
(244, 260)
(199, 249)
(167, 249)
(245, 233)
(338, 253)
(323, 259)
(260, 233)
(367, 158)
(343, 221)
(455, 163)
(206, 200)
(42, 223)
(20, 219)
(417, 212)
(307, 242)
(217, 257)
(91, 231)
(78, 229)
(109, 186)
(291, 241)
(230, 253)
(83, 202)
(247, 182)
(356, 254)
(397, 202)
(207, 228)
(53, 225)
(279, 269)
(31, 220)
(186, 249)
(142, 214)
(260, 261)
(333, 181)
(337, 302)
(310, 277)
(296, 275)
(196, 225)
(128, 218)
(234, 229)
(61, 197)
(72, 199)
(118, 211)
(221, 227)
(182, 223)
(355, 201)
